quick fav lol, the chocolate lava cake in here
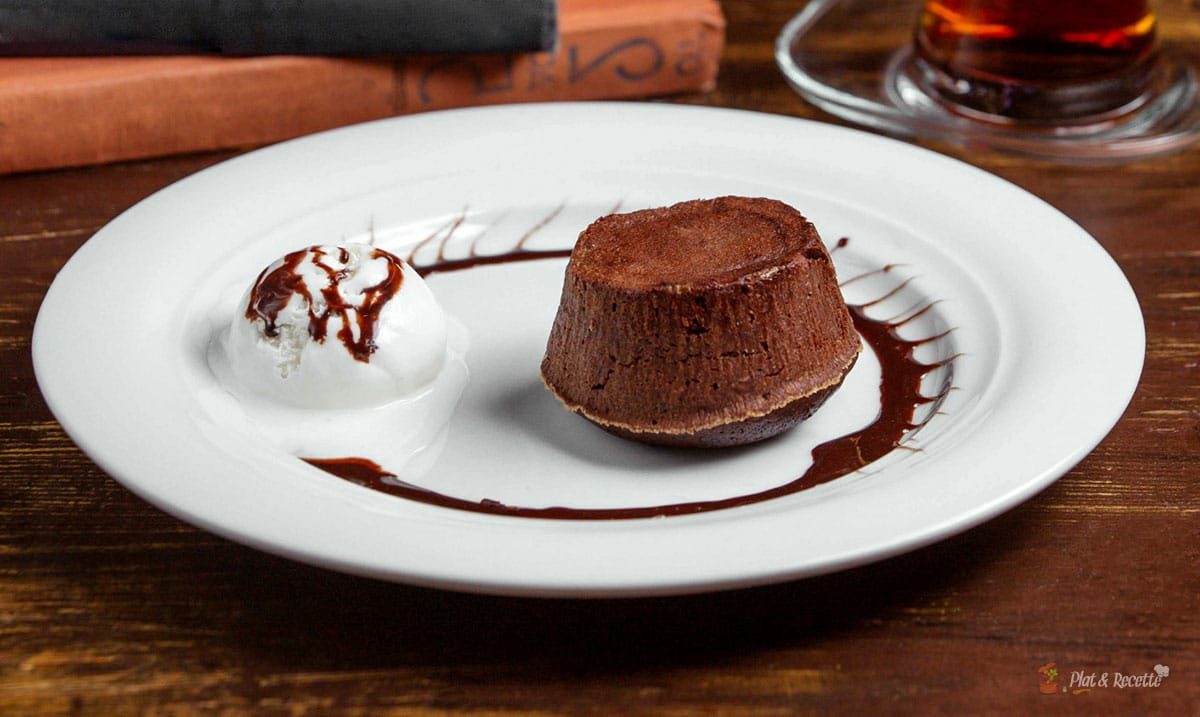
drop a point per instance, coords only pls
(712, 322)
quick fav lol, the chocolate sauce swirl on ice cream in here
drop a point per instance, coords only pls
(358, 314)
(342, 326)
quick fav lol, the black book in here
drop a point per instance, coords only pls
(269, 27)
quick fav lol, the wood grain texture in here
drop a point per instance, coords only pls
(108, 606)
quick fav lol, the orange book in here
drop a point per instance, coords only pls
(73, 111)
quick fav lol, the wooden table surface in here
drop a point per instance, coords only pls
(108, 606)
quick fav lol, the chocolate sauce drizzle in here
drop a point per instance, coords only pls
(519, 252)
(900, 396)
(275, 287)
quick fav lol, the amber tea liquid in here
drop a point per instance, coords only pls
(1042, 60)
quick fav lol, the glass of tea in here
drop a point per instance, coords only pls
(1082, 79)
(1060, 61)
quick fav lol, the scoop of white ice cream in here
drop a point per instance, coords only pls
(337, 327)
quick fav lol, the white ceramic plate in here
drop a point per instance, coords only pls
(1047, 333)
